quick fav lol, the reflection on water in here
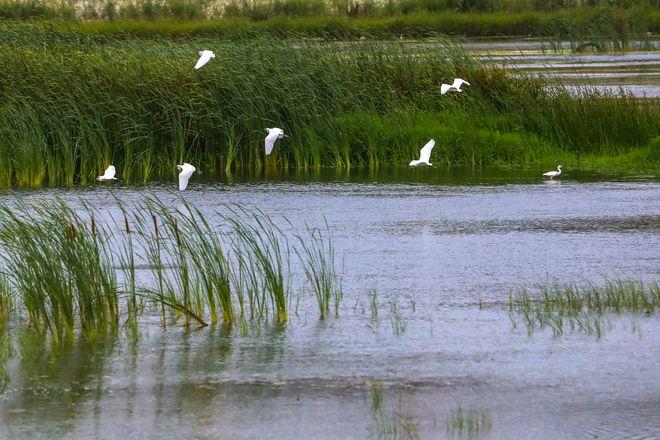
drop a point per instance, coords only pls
(432, 246)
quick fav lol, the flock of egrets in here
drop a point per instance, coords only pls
(187, 170)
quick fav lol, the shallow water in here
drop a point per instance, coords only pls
(637, 72)
(442, 250)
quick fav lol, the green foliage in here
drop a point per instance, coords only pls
(74, 102)
(582, 307)
(68, 271)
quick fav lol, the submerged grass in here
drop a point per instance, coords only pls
(68, 271)
(585, 308)
(468, 423)
(72, 104)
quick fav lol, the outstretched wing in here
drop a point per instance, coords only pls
(273, 135)
(444, 88)
(206, 56)
(425, 153)
(458, 82)
(184, 176)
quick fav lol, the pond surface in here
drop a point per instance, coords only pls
(636, 71)
(442, 250)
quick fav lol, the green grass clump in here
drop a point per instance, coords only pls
(72, 105)
(468, 423)
(67, 270)
(584, 308)
(320, 270)
(60, 269)
(332, 18)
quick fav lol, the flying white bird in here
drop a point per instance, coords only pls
(187, 170)
(424, 155)
(553, 174)
(204, 57)
(109, 174)
(273, 135)
(455, 86)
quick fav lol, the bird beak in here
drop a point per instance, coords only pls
(199, 172)
(286, 135)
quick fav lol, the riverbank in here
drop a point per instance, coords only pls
(597, 24)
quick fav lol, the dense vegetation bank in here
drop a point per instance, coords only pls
(585, 23)
(70, 105)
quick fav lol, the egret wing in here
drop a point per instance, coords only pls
(184, 177)
(270, 141)
(425, 153)
(206, 56)
(458, 82)
(444, 88)
(110, 172)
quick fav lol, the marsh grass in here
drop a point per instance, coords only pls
(585, 308)
(333, 18)
(468, 423)
(317, 256)
(390, 421)
(67, 270)
(74, 103)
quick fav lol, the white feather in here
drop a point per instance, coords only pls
(454, 87)
(273, 135)
(187, 170)
(109, 174)
(458, 82)
(204, 57)
(424, 155)
(553, 174)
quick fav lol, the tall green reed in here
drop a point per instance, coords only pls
(585, 308)
(73, 104)
(69, 270)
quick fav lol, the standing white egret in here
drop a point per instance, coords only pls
(424, 155)
(109, 174)
(454, 87)
(187, 170)
(553, 174)
(273, 135)
(204, 57)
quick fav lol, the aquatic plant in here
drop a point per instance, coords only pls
(391, 422)
(317, 256)
(59, 268)
(67, 270)
(467, 423)
(332, 18)
(585, 308)
(344, 104)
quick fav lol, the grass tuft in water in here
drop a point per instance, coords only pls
(468, 423)
(585, 308)
(68, 270)
(317, 256)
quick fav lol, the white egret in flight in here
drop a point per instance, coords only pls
(204, 57)
(424, 155)
(553, 174)
(187, 170)
(454, 87)
(109, 174)
(273, 135)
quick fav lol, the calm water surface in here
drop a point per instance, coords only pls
(442, 250)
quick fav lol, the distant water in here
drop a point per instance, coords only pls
(442, 250)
